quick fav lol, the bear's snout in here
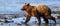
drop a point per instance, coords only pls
(23, 9)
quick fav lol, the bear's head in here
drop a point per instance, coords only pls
(25, 6)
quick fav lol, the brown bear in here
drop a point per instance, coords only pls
(38, 11)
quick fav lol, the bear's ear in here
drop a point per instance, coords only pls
(27, 4)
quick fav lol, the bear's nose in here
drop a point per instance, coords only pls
(21, 9)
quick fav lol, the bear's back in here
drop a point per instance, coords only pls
(42, 8)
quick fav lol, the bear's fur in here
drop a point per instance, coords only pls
(38, 11)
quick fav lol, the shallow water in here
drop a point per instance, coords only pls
(33, 22)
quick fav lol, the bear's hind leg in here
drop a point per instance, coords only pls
(53, 19)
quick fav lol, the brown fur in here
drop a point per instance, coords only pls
(37, 11)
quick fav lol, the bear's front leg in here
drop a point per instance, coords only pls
(27, 18)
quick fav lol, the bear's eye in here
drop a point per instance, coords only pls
(25, 6)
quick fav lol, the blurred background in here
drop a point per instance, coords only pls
(10, 11)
